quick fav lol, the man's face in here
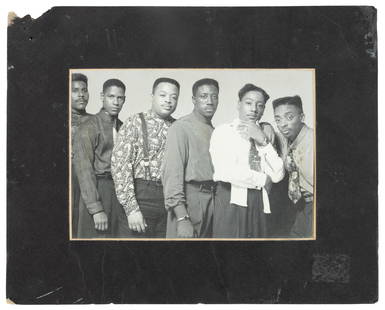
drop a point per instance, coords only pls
(113, 99)
(289, 120)
(79, 95)
(206, 100)
(165, 99)
(251, 106)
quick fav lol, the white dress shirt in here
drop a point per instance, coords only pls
(230, 156)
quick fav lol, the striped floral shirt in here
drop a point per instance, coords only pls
(127, 161)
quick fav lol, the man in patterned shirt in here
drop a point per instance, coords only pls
(137, 158)
(79, 101)
(296, 143)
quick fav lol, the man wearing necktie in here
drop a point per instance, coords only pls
(245, 165)
(297, 149)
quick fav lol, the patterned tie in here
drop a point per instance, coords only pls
(294, 188)
(254, 158)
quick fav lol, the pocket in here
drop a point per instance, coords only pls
(194, 209)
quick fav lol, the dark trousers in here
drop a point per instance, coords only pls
(117, 220)
(75, 197)
(303, 224)
(149, 195)
(233, 221)
(200, 207)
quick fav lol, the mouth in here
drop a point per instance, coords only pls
(167, 108)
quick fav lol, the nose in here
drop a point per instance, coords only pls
(283, 124)
(209, 100)
(115, 101)
(253, 108)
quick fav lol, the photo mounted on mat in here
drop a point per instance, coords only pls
(192, 154)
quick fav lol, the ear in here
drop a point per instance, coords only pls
(102, 96)
(239, 105)
(302, 117)
(193, 100)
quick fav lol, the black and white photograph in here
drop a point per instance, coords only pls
(192, 153)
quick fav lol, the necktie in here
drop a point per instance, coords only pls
(294, 188)
(254, 158)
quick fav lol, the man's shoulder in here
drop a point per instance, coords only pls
(89, 121)
(182, 122)
(224, 127)
(309, 132)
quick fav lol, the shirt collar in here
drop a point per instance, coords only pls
(237, 121)
(299, 137)
(78, 113)
(152, 114)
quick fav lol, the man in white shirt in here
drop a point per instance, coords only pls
(245, 165)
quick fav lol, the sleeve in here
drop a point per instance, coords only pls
(84, 154)
(173, 168)
(122, 165)
(273, 163)
(226, 166)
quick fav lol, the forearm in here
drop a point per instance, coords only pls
(274, 166)
(241, 176)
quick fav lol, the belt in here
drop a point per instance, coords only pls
(106, 175)
(153, 182)
(204, 186)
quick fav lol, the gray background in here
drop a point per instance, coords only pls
(276, 82)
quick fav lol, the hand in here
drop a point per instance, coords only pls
(184, 229)
(269, 132)
(136, 222)
(268, 184)
(251, 130)
(101, 221)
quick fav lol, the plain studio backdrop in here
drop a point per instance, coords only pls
(276, 82)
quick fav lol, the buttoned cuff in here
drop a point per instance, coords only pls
(129, 212)
(259, 179)
(94, 207)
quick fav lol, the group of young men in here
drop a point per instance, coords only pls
(157, 177)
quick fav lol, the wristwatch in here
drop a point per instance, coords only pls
(183, 218)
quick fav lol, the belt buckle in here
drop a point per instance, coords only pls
(206, 188)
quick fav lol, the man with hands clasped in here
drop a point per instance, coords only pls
(245, 165)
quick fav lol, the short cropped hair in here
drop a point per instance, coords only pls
(165, 80)
(294, 100)
(79, 77)
(251, 87)
(201, 82)
(113, 82)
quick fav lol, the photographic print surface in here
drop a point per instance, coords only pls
(239, 101)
